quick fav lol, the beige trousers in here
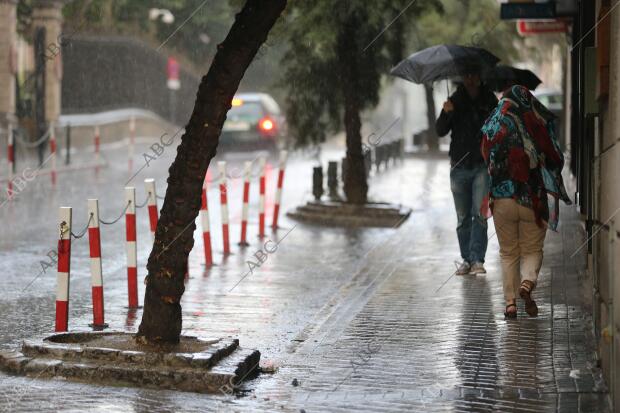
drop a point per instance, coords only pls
(520, 244)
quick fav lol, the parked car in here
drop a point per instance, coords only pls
(254, 122)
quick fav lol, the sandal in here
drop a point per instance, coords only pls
(511, 314)
(525, 291)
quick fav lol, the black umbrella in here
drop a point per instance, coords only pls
(501, 76)
(442, 62)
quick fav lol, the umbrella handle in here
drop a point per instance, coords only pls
(448, 87)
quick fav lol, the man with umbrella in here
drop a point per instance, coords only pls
(464, 114)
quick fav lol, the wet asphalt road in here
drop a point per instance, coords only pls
(357, 319)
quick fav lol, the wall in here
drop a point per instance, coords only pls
(105, 73)
(609, 203)
(604, 260)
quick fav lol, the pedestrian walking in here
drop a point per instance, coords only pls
(464, 114)
(525, 165)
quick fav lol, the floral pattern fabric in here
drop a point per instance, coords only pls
(524, 158)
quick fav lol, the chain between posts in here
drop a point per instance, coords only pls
(82, 232)
(117, 219)
(33, 144)
(144, 203)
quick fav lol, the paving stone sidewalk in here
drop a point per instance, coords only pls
(408, 336)
(359, 320)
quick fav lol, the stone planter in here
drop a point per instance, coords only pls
(372, 214)
(114, 358)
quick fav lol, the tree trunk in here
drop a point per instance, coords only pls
(355, 185)
(161, 320)
(432, 140)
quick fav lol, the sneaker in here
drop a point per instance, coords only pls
(477, 268)
(463, 268)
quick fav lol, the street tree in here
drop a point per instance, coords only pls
(167, 263)
(339, 52)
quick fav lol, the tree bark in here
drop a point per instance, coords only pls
(432, 140)
(161, 320)
(355, 185)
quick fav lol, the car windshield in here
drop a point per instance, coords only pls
(246, 111)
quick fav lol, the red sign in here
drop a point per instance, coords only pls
(173, 74)
(529, 27)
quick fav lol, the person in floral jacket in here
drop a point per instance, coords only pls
(525, 164)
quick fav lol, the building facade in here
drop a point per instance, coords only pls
(593, 107)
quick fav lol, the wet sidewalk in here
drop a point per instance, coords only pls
(408, 336)
(352, 320)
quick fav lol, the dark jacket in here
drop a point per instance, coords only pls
(465, 122)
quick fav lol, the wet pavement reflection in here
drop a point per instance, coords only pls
(351, 319)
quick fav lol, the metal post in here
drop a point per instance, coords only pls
(53, 152)
(332, 180)
(96, 272)
(278, 200)
(367, 162)
(132, 250)
(386, 155)
(13, 154)
(151, 194)
(62, 277)
(10, 153)
(206, 227)
(221, 166)
(68, 145)
(380, 153)
(39, 52)
(394, 151)
(317, 182)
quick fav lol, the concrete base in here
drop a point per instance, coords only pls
(373, 214)
(115, 358)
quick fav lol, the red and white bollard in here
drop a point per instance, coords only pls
(261, 197)
(97, 142)
(276, 209)
(132, 251)
(221, 166)
(96, 273)
(64, 264)
(10, 153)
(206, 229)
(151, 194)
(53, 152)
(247, 172)
(132, 138)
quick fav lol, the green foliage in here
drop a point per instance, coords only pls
(196, 40)
(471, 23)
(24, 17)
(321, 57)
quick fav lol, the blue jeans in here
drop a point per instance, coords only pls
(469, 187)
